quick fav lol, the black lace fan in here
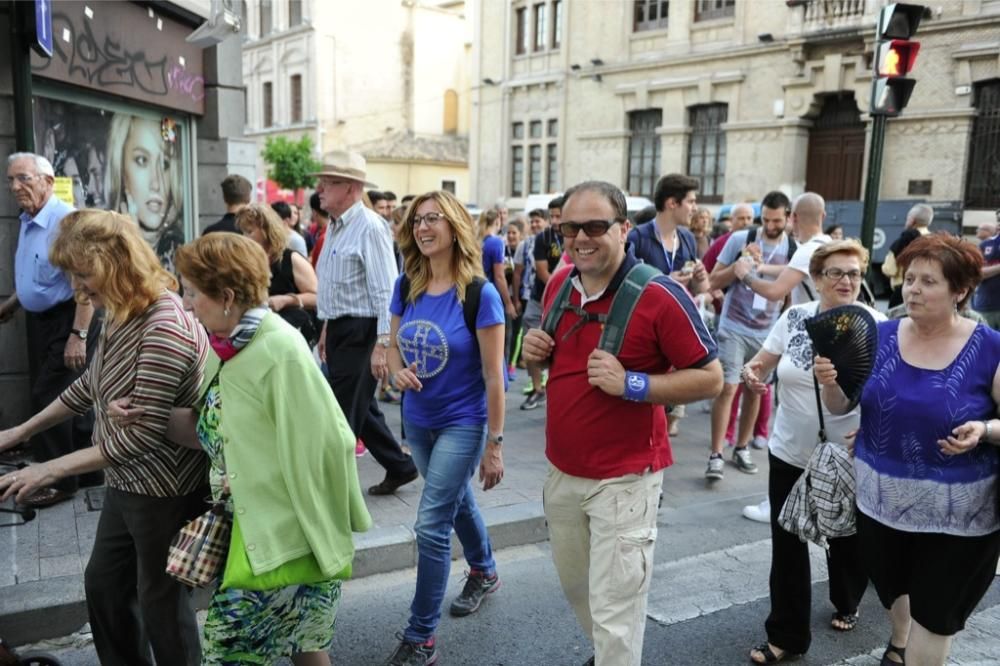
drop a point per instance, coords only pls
(848, 336)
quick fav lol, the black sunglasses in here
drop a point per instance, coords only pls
(593, 228)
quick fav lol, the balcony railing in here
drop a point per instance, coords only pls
(832, 14)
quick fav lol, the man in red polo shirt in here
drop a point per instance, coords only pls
(606, 432)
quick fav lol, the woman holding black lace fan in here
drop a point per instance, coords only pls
(837, 270)
(926, 458)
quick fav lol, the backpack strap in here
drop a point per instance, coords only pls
(470, 308)
(623, 305)
(559, 305)
(751, 234)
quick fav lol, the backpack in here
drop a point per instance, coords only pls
(470, 308)
(617, 318)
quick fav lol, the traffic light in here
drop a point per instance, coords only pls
(894, 58)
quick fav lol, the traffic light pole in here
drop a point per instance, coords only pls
(872, 181)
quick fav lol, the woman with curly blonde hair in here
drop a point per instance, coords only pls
(152, 352)
(446, 353)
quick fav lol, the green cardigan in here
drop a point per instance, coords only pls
(289, 453)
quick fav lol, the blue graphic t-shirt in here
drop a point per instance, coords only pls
(492, 255)
(987, 297)
(432, 334)
(903, 479)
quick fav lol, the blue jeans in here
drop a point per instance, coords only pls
(447, 459)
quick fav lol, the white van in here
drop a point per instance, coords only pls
(633, 204)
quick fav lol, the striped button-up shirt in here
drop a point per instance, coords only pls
(356, 268)
(156, 359)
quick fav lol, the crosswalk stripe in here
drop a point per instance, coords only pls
(703, 584)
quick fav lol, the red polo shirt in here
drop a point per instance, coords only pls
(594, 435)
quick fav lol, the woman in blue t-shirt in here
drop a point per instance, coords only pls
(454, 406)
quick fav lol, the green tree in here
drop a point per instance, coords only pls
(291, 162)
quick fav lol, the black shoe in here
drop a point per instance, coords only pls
(534, 400)
(413, 654)
(477, 586)
(389, 484)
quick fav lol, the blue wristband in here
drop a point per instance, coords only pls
(636, 386)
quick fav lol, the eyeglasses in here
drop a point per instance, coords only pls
(430, 218)
(23, 178)
(593, 228)
(837, 274)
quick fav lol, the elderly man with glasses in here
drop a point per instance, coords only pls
(603, 485)
(356, 271)
(57, 326)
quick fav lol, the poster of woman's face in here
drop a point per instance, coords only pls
(118, 161)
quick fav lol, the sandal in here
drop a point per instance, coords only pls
(769, 656)
(844, 621)
(898, 651)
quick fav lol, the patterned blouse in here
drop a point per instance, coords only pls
(156, 359)
(904, 480)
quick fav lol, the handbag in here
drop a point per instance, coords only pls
(820, 505)
(197, 554)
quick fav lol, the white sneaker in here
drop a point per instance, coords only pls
(760, 513)
(759, 442)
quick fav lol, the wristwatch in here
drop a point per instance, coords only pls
(382, 341)
(79, 332)
(497, 439)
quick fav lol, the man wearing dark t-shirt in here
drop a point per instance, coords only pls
(236, 192)
(546, 255)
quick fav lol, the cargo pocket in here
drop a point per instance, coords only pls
(634, 540)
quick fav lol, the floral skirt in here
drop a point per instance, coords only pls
(261, 627)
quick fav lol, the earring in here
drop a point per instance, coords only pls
(225, 312)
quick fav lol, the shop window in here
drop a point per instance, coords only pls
(521, 44)
(541, 29)
(982, 190)
(267, 99)
(650, 15)
(707, 150)
(644, 151)
(296, 98)
(706, 10)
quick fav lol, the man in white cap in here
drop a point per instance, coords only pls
(357, 271)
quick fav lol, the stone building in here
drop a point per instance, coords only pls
(747, 95)
(384, 77)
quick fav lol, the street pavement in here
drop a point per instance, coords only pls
(707, 602)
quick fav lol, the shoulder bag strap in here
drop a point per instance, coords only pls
(819, 410)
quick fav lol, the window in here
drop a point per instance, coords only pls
(706, 10)
(521, 45)
(556, 23)
(448, 186)
(536, 129)
(535, 169)
(644, 151)
(707, 150)
(541, 29)
(553, 129)
(294, 13)
(268, 102)
(295, 90)
(650, 14)
(265, 18)
(517, 171)
(517, 131)
(551, 168)
(983, 187)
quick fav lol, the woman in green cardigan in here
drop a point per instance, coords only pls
(292, 482)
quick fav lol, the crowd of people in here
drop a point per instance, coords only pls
(181, 387)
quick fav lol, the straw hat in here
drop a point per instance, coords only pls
(345, 164)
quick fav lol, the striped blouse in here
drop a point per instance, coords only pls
(156, 359)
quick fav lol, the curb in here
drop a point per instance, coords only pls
(45, 609)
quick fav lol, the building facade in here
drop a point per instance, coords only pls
(387, 78)
(746, 95)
